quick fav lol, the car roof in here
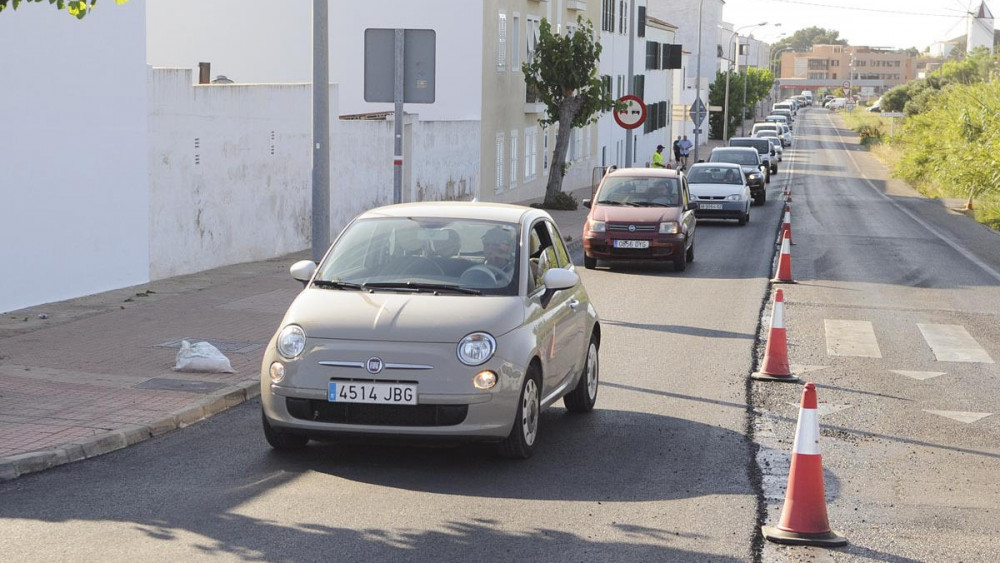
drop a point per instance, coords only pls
(731, 139)
(646, 172)
(502, 212)
(726, 149)
(715, 165)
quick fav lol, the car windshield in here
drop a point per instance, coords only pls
(761, 147)
(640, 191)
(714, 175)
(736, 157)
(423, 254)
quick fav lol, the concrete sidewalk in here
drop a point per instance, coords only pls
(87, 376)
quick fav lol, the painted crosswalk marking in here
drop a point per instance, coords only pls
(952, 343)
(851, 338)
(966, 417)
(921, 375)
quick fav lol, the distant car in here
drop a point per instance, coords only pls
(455, 321)
(767, 152)
(641, 214)
(753, 168)
(787, 114)
(721, 190)
(836, 103)
(776, 143)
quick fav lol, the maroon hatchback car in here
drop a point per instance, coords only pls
(640, 214)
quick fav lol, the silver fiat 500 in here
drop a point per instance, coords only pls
(446, 320)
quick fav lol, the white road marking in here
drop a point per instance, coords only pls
(824, 409)
(921, 375)
(952, 343)
(966, 417)
(851, 338)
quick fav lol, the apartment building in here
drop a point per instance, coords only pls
(868, 70)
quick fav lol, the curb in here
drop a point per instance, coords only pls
(15, 466)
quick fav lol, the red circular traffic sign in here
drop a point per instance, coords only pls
(634, 113)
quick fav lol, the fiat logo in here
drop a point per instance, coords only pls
(374, 365)
(631, 228)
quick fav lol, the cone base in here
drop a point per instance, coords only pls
(760, 376)
(775, 280)
(828, 539)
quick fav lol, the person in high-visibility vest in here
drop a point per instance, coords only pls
(658, 158)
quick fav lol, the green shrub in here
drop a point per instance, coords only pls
(870, 135)
(562, 202)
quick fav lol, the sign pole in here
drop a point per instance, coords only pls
(321, 132)
(397, 89)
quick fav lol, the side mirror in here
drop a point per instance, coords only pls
(586, 203)
(692, 205)
(303, 270)
(556, 279)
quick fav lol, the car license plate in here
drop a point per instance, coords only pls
(631, 244)
(710, 205)
(372, 393)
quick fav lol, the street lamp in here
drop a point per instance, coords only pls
(697, 82)
(725, 107)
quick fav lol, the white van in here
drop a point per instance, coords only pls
(837, 103)
(809, 96)
(785, 106)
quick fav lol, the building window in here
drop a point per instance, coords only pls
(652, 55)
(515, 44)
(586, 142)
(514, 160)
(608, 16)
(530, 150)
(640, 21)
(545, 148)
(639, 85)
(502, 42)
(500, 163)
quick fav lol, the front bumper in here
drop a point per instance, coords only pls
(661, 247)
(728, 210)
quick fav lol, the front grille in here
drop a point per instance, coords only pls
(711, 197)
(376, 415)
(638, 228)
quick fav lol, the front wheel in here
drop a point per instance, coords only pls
(584, 395)
(282, 440)
(520, 443)
(589, 262)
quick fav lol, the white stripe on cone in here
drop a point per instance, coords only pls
(807, 433)
(778, 315)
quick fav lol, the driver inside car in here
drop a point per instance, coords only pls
(498, 248)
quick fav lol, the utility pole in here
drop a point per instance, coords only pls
(631, 77)
(321, 132)
(697, 81)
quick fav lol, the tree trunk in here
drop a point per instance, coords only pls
(567, 110)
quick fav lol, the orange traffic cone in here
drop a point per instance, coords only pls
(786, 224)
(803, 517)
(775, 365)
(784, 273)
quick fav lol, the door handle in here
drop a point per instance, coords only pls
(573, 303)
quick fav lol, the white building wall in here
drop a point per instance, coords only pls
(458, 63)
(231, 170)
(73, 167)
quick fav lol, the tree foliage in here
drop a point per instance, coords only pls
(78, 8)
(758, 83)
(914, 96)
(563, 73)
(804, 39)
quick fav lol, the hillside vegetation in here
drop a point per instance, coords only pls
(949, 143)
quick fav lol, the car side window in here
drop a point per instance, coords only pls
(543, 257)
(561, 253)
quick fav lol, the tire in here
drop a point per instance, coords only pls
(584, 395)
(282, 440)
(689, 255)
(589, 263)
(681, 263)
(744, 219)
(520, 443)
(774, 169)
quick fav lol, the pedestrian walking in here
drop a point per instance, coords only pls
(685, 145)
(677, 150)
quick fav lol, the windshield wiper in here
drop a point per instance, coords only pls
(332, 284)
(609, 202)
(418, 287)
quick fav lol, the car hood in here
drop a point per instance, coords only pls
(401, 317)
(619, 214)
(714, 190)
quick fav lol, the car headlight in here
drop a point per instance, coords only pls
(753, 175)
(597, 227)
(291, 342)
(476, 348)
(734, 197)
(669, 228)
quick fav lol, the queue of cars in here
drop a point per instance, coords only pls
(463, 321)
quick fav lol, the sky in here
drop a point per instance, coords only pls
(880, 23)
